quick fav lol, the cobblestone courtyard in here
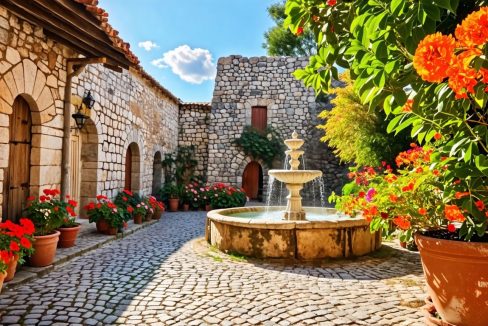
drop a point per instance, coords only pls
(162, 276)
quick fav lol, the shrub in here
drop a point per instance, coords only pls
(358, 133)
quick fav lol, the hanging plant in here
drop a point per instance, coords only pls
(261, 145)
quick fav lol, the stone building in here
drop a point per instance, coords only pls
(133, 124)
(262, 90)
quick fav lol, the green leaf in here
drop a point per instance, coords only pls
(393, 123)
(482, 163)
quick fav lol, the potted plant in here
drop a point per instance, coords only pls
(157, 206)
(16, 240)
(69, 232)
(173, 192)
(186, 196)
(127, 200)
(47, 214)
(140, 212)
(5, 258)
(149, 209)
(107, 215)
(432, 81)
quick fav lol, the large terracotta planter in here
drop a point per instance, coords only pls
(138, 219)
(68, 236)
(102, 226)
(457, 279)
(2, 277)
(44, 249)
(173, 204)
(11, 268)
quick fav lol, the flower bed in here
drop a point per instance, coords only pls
(218, 195)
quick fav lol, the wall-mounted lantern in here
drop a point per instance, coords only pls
(88, 101)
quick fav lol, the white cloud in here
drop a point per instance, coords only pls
(192, 65)
(148, 45)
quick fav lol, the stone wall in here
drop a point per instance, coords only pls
(193, 123)
(242, 83)
(127, 111)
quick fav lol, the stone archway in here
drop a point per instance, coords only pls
(23, 79)
(157, 172)
(84, 165)
(133, 168)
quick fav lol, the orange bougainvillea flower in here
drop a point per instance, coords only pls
(433, 57)
(403, 222)
(408, 106)
(453, 213)
(460, 195)
(422, 211)
(462, 77)
(473, 31)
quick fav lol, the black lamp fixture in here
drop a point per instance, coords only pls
(88, 101)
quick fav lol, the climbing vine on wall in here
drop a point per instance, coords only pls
(261, 145)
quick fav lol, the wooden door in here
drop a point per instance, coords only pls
(18, 174)
(250, 180)
(259, 117)
(76, 164)
(128, 170)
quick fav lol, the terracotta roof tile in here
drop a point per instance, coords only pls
(102, 16)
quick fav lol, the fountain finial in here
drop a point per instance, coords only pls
(294, 135)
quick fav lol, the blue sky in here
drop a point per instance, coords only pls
(184, 38)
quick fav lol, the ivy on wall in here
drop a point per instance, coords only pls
(261, 145)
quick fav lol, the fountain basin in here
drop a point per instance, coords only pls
(327, 234)
(295, 177)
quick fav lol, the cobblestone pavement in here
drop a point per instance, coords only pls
(161, 276)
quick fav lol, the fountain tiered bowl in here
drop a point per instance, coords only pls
(291, 232)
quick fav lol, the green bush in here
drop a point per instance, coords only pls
(265, 146)
(357, 133)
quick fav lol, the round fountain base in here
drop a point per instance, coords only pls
(303, 240)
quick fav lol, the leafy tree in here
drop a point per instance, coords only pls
(358, 133)
(404, 56)
(280, 41)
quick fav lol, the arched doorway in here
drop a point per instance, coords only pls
(157, 173)
(132, 168)
(252, 181)
(84, 165)
(18, 172)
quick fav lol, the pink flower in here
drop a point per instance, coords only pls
(370, 194)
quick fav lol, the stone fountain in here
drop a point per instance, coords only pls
(294, 179)
(291, 232)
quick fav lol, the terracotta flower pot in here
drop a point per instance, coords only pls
(111, 231)
(173, 204)
(456, 274)
(44, 249)
(157, 214)
(68, 236)
(148, 216)
(11, 268)
(102, 226)
(186, 207)
(2, 277)
(138, 219)
(208, 208)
